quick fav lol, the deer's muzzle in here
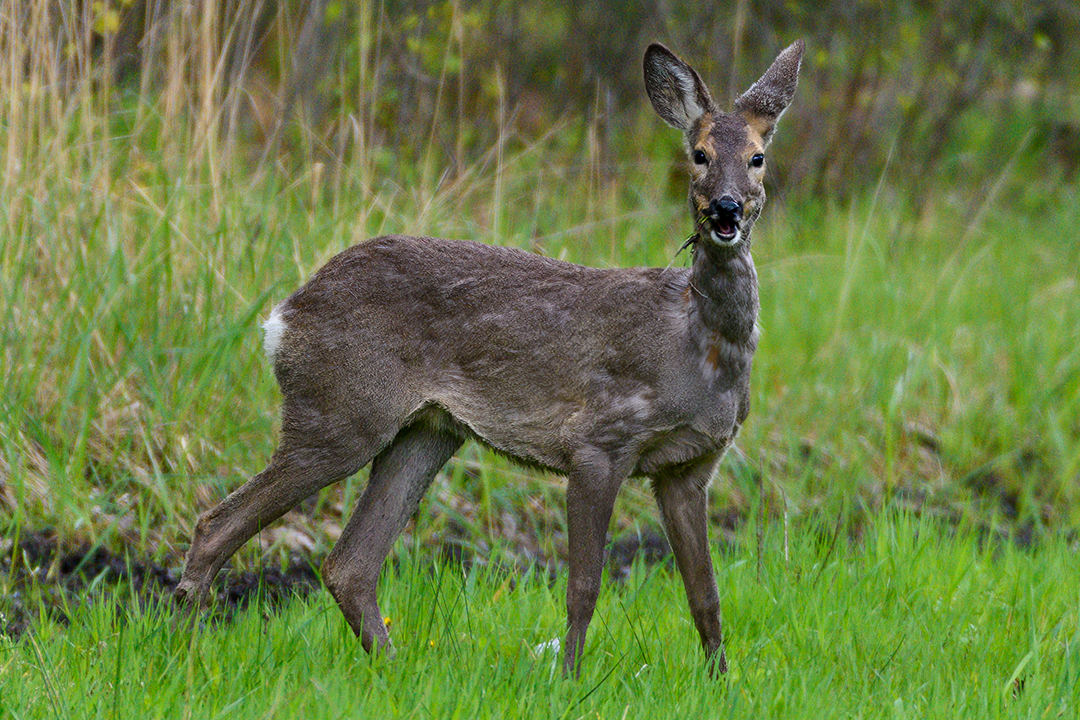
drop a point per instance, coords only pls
(723, 219)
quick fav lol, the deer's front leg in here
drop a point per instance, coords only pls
(590, 496)
(683, 501)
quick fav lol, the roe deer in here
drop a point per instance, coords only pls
(401, 348)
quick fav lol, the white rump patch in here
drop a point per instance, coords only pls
(273, 329)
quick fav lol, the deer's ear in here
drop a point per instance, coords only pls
(677, 93)
(763, 104)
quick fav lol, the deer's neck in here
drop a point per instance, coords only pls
(724, 289)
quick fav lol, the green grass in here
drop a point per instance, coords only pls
(913, 620)
(925, 364)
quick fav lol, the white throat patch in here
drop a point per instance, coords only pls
(726, 243)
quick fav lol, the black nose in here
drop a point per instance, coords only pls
(726, 205)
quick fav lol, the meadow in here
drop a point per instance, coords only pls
(912, 621)
(930, 363)
(895, 532)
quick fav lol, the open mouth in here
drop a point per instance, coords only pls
(724, 226)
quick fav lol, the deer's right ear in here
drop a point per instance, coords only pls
(677, 93)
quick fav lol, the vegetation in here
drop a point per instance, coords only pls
(907, 623)
(919, 352)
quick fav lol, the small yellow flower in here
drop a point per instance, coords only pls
(386, 621)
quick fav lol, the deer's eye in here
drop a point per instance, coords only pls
(700, 157)
(757, 160)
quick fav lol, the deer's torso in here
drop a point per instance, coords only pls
(537, 358)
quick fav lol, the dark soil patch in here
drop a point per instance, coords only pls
(39, 574)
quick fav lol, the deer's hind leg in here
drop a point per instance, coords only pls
(317, 449)
(400, 475)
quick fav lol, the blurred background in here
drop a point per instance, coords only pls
(172, 168)
(936, 87)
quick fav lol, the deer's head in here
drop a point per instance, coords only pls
(726, 150)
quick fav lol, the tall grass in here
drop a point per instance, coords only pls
(928, 368)
(141, 241)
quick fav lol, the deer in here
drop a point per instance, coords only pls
(400, 349)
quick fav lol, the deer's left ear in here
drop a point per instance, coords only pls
(765, 101)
